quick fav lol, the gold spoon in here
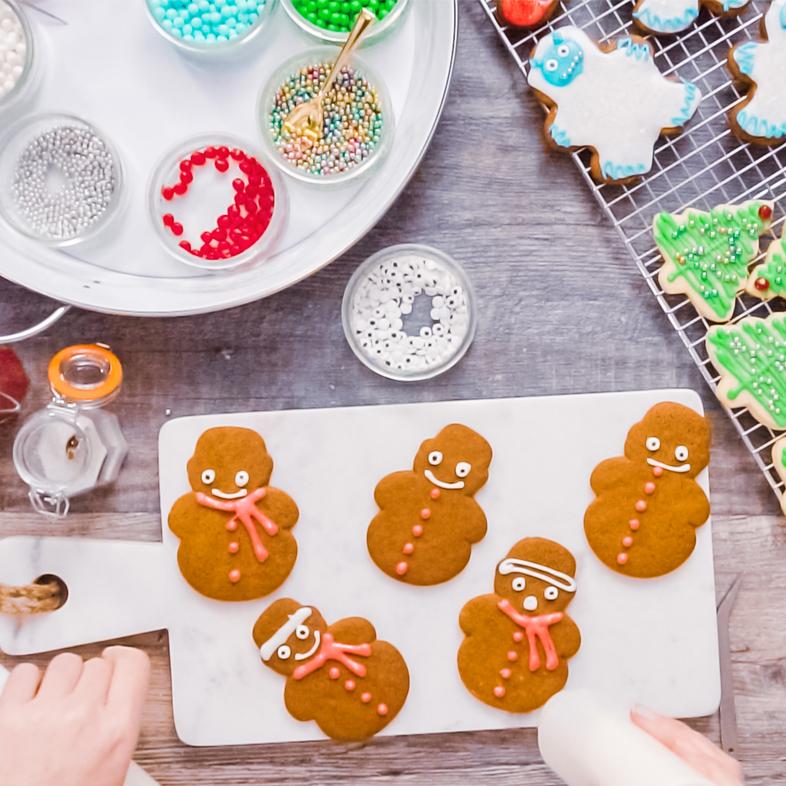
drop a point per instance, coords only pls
(308, 118)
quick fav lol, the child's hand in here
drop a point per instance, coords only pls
(76, 726)
(693, 748)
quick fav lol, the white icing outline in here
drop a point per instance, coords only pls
(225, 495)
(306, 655)
(537, 571)
(459, 484)
(269, 647)
(671, 468)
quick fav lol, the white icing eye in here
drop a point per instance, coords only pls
(284, 652)
(551, 65)
(519, 583)
(652, 443)
(208, 476)
(563, 50)
(463, 468)
(551, 593)
(302, 632)
(241, 479)
(681, 453)
(435, 458)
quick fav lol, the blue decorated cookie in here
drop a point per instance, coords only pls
(672, 16)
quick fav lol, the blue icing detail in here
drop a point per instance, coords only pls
(783, 17)
(562, 60)
(728, 5)
(689, 103)
(612, 171)
(668, 25)
(633, 49)
(745, 56)
(560, 136)
(759, 126)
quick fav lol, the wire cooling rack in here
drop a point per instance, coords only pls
(703, 167)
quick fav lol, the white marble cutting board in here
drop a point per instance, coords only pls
(650, 641)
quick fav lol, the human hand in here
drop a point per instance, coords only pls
(76, 726)
(693, 748)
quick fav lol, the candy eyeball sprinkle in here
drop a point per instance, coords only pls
(551, 65)
(463, 468)
(563, 50)
(519, 584)
(652, 443)
(208, 476)
(302, 632)
(551, 593)
(241, 479)
(435, 458)
(284, 652)
(681, 453)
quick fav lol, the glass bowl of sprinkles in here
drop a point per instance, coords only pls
(216, 204)
(61, 179)
(358, 126)
(331, 20)
(210, 27)
(18, 61)
(409, 312)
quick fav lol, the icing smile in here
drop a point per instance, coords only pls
(459, 484)
(224, 495)
(681, 468)
(307, 655)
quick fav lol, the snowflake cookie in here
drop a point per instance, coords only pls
(672, 16)
(760, 66)
(595, 97)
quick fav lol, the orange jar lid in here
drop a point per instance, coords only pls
(85, 374)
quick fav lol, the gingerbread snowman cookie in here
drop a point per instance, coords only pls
(648, 504)
(340, 676)
(428, 518)
(234, 529)
(517, 641)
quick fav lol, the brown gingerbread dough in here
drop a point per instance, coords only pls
(517, 640)
(234, 530)
(643, 521)
(338, 675)
(428, 518)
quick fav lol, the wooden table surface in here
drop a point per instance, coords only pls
(563, 309)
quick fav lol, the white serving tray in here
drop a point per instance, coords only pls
(650, 641)
(107, 64)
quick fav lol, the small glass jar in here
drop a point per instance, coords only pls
(72, 446)
(168, 196)
(377, 32)
(194, 41)
(25, 84)
(267, 99)
(61, 179)
(402, 284)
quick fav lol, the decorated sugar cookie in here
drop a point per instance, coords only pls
(760, 66)
(672, 16)
(648, 504)
(750, 357)
(428, 517)
(234, 529)
(779, 462)
(525, 13)
(595, 97)
(339, 675)
(517, 641)
(706, 255)
(768, 280)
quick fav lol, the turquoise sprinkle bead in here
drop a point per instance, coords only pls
(209, 22)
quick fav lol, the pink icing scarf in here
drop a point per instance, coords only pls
(330, 649)
(537, 629)
(248, 513)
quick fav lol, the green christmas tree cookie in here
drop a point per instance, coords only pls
(768, 280)
(707, 255)
(750, 357)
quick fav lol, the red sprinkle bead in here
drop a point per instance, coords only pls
(762, 284)
(222, 164)
(765, 212)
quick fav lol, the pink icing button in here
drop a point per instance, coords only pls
(365, 698)
(233, 547)
(234, 576)
(518, 635)
(334, 673)
(505, 674)
(499, 691)
(627, 541)
(349, 685)
(513, 656)
(402, 568)
(641, 505)
(435, 493)
(622, 559)
(425, 514)
(657, 471)
(408, 548)
(382, 710)
(634, 524)
(231, 525)
(417, 530)
(649, 487)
